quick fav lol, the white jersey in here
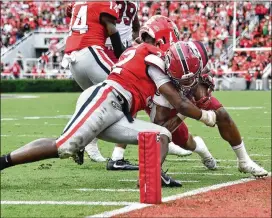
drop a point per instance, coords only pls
(127, 12)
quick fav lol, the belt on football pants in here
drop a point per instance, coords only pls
(124, 103)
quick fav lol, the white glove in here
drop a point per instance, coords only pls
(208, 117)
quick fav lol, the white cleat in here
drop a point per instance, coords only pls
(210, 163)
(183, 153)
(94, 153)
(251, 167)
(177, 150)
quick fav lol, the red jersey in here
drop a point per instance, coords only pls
(85, 27)
(131, 73)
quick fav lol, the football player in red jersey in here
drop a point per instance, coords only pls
(199, 91)
(104, 110)
(90, 25)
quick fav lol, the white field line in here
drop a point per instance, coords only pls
(248, 138)
(81, 203)
(260, 155)
(106, 190)
(12, 96)
(218, 167)
(37, 136)
(219, 160)
(46, 124)
(205, 174)
(135, 180)
(171, 198)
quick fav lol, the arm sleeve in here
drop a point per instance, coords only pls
(157, 76)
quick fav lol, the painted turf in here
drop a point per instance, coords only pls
(172, 198)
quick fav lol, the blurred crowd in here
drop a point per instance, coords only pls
(20, 17)
(211, 22)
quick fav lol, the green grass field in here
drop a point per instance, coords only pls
(23, 120)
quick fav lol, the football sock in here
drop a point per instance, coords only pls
(118, 153)
(201, 148)
(5, 162)
(241, 152)
(175, 149)
(94, 142)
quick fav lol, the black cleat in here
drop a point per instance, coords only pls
(167, 181)
(121, 165)
(79, 157)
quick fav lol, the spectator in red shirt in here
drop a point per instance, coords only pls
(44, 59)
(248, 80)
(16, 70)
(34, 72)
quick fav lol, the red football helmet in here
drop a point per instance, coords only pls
(183, 64)
(162, 29)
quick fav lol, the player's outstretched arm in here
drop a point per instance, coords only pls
(184, 106)
(108, 22)
(162, 118)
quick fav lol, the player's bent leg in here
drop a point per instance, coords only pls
(180, 137)
(93, 151)
(91, 66)
(184, 139)
(37, 150)
(125, 132)
(94, 113)
(229, 132)
(177, 150)
(117, 161)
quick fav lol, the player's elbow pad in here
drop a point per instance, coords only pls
(117, 44)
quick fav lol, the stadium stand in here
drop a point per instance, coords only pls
(209, 22)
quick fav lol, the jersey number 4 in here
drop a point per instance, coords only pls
(80, 23)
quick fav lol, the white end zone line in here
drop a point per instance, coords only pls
(171, 198)
(81, 203)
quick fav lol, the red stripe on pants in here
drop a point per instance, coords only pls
(89, 113)
(105, 58)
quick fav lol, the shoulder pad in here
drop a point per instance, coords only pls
(155, 61)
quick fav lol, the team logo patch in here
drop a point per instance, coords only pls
(116, 105)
